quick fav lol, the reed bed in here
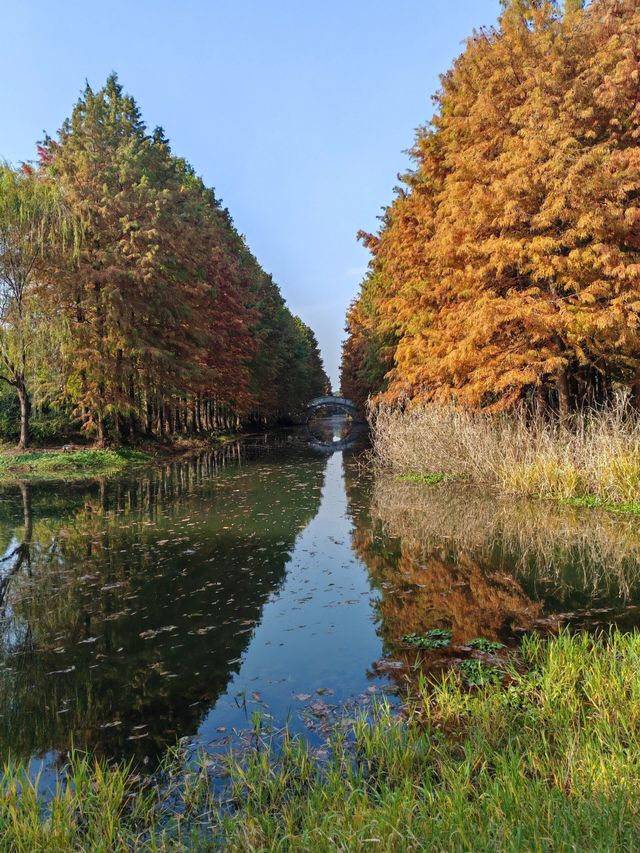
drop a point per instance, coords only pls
(544, 756)
(594, 455)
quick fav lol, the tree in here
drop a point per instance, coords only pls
(33, 221)
(509, 259)
(172, 324)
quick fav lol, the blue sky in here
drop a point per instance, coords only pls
(298, 113)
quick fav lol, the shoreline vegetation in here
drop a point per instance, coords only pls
(534, 749)
(78, 462)
(590, 460)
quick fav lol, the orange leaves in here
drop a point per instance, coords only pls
(511, 256)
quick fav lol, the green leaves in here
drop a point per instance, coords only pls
(483, 645)
(436, 638)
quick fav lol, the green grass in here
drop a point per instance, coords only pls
(41, 464)
(543, 755)
(594, 502)
(434, 478)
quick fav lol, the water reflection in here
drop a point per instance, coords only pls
(139, 597)
(266, 577)
(334, 433)
(484, 566)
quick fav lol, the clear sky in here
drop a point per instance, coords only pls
(297, 112)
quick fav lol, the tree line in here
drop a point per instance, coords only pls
(507, 266)
(129, 303)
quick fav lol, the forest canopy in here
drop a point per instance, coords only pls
(129, 303)
(508, 264)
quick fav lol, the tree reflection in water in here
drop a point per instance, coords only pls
(127, 605)
(481, 566)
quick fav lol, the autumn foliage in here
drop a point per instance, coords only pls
(161, 321)
(508, 264)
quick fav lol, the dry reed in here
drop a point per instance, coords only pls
(593, 454)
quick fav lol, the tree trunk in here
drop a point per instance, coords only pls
(564, 401)
(25, 412)
(541, 399)
(635, 389)
(101, 439)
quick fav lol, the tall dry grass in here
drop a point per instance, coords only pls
(592, 454)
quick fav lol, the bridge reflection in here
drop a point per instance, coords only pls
(333, 433)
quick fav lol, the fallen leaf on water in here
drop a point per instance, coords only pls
(150, 634)
(386, 664)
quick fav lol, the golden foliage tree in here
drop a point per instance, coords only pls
(509, 262)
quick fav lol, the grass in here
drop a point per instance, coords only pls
(540, 754)
(434, 478)
(594, 502)
(43, 464)
(593, 458)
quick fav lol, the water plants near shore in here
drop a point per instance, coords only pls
(540, 753)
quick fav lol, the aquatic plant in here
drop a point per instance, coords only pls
(437, 638)
(477, 673)
(484, 645)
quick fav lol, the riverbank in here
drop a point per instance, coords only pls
(542, 755)
(78, 462)
(591, 460)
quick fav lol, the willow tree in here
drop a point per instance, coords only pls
(34, 222)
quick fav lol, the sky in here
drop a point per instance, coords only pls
(298, 113)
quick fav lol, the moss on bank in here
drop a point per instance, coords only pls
(45, 464)
(543, 756)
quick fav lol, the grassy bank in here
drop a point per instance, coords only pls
(543, 756)
(52, 464)
(592, 460)
(78, 463)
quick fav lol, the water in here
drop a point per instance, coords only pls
(272, 576)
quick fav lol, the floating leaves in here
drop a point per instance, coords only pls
(437, 638)
(483, 645)
(151, 634)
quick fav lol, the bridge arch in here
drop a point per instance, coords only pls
(329, 402)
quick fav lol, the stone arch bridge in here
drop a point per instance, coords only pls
(337, 404)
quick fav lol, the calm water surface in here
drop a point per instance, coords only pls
(272, 576)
